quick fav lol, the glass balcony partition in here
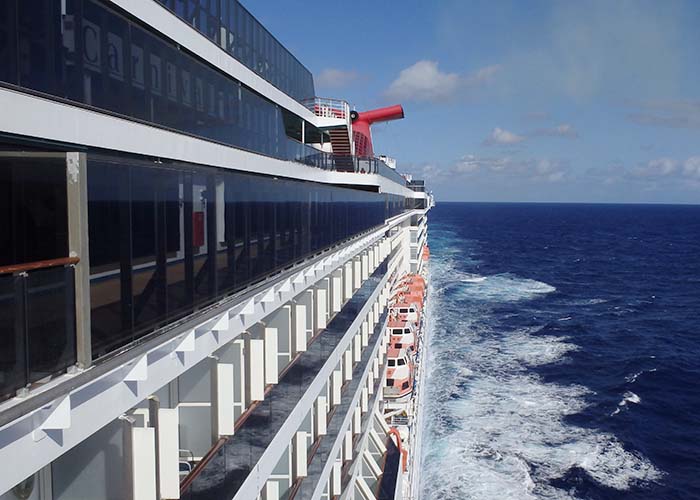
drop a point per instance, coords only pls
(37, 323)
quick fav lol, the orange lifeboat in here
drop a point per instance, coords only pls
(399, 375)
(426, 252)
(402, 334)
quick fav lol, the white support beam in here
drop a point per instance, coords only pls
(364, 399)
(372, 464)
(335, 485)
(347, 280)
(377, 441)
(364, 490)
(365, 266)
(141, 462)
(222, 412)
(299, 457)
(336, 293)
(364, 333)
(271, 491)
(169, 452)
(357, 348)
(299, 329)
(320, 416)
(336, 384)
(357, 272)
(239, 375)
(271, 362)
(347, 446)
(255, 370)
(357, 420)
(382, 423)
(347, 364)
(320, 308)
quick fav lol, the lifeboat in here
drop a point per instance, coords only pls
(408, 311)
(399, 375)
(402, 334)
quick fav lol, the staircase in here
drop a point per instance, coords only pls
(338, 127)
(342, 149)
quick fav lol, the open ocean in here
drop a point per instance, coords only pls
(564, 352)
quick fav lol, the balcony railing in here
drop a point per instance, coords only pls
(308, 155)
(328, 108)
(37, 322)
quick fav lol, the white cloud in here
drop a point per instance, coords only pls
(336, 78)
(502, 137)
(542, 169)
(655, 172)
(483, 75)
(425, 82)
(563, 130)
(659, 167)
(691, 166)
(668, 113)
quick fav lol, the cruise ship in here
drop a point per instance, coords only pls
(211, 285)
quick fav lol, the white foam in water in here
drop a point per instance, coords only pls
(495, 429)
(633, 378)
(629, 397)
(501, 287)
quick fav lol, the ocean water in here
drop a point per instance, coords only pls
(564, 352)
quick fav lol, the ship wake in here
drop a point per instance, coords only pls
(495, 428)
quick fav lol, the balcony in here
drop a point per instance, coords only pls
(37, 323)
(416, 185)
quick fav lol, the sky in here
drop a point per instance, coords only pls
(547, 101)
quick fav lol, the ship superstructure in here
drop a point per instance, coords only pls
(201, 265)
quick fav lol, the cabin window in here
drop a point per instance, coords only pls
(405, 385)
(392, 362)
(402, 362)
(390, 382)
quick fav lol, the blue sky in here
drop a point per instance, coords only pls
(593, 101)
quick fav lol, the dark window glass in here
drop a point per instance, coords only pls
(13, 373)
(168, 238)
(8, 41)
(50, 321)
(33, 209)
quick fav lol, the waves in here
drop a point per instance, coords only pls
(504, 287)
(496, 429)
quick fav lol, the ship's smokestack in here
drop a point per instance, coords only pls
(362, 121)
(378, 115)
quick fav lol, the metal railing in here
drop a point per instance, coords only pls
(37, 322)
(308, 155)
(327, 107)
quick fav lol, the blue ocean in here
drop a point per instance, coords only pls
(564, 352)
